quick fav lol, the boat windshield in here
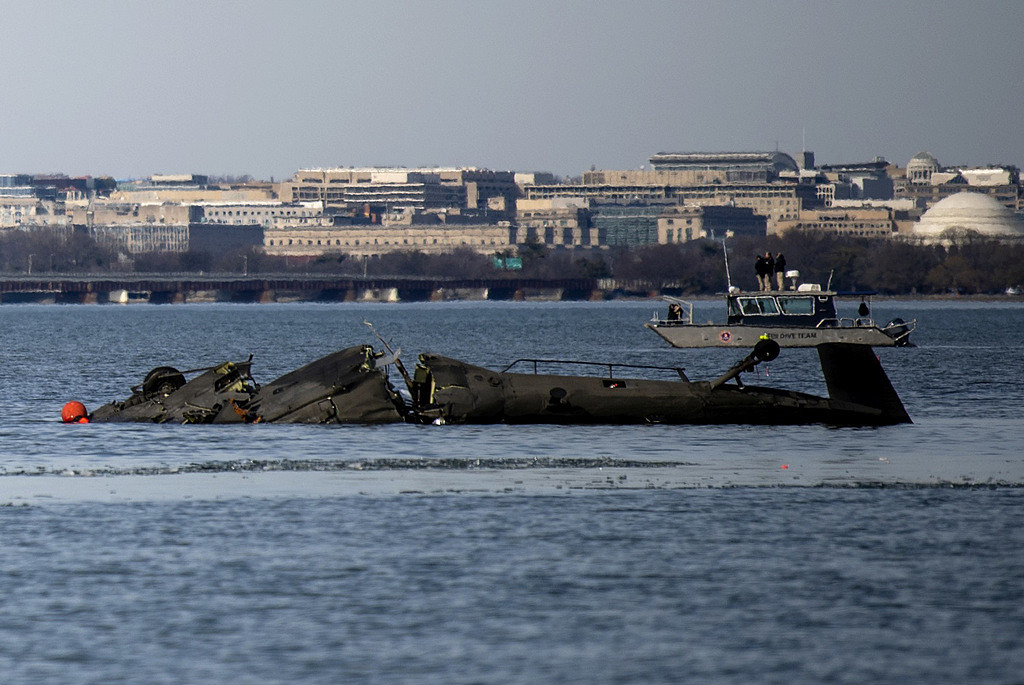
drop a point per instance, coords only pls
(796, 305)
(758, 305)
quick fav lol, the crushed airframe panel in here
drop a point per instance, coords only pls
(343, 387)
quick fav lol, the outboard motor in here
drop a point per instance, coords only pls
(898, 330)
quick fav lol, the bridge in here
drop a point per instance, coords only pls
(181, 288)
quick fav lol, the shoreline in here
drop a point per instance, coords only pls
(537, 293)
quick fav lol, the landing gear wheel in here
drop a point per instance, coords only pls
(162, 380)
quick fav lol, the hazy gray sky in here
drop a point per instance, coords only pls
(264, 88)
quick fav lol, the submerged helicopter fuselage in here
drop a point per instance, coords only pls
(352, 386)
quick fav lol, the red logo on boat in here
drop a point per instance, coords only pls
(725, 336)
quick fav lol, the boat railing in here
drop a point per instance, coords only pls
(903, 328)
(611, 366)
(847, 322)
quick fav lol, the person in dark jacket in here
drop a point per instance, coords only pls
(759, 269)
(769, 270)
(780, 270)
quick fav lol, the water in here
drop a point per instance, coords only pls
(493, 554)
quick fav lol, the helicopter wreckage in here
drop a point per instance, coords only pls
(353, 386)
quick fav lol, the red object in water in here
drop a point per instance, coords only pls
(74, 412)
(785, 466)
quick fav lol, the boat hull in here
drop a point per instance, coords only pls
(744, 336)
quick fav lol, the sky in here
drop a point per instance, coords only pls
(129, 89)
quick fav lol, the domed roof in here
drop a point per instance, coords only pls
(924, 157)
(969, 211)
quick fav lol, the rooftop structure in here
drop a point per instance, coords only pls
(927, 182)
(389, 187)
(179, 179)
(377, 240)
(855, 221)
(742, 167)
(921, 167)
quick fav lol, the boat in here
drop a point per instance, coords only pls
(446, 390)
(804, 316)
(353, 386)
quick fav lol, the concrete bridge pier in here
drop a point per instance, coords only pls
(380, 295)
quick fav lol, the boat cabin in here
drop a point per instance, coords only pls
(783, 308)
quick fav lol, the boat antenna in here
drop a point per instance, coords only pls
(398, 362)
(728, 276)
(828, 286)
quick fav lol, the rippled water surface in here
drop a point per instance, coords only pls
(139, 553)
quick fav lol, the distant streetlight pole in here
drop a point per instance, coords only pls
(245, 265)
(30, 262)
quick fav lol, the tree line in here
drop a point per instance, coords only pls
(967, 264)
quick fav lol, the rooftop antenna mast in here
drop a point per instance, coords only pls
(728, 276)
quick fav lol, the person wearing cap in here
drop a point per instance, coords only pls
(780, 270)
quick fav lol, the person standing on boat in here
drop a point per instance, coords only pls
(675, 312)
(759, 266)
(769, 270)
(780, 270)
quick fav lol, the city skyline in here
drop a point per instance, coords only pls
(265, 89)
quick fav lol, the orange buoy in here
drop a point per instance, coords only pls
(74, 412)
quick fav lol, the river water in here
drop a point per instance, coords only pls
(469, 554)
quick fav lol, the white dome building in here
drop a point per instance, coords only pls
(969, 211)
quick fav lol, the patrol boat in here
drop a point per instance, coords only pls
(805, 316)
